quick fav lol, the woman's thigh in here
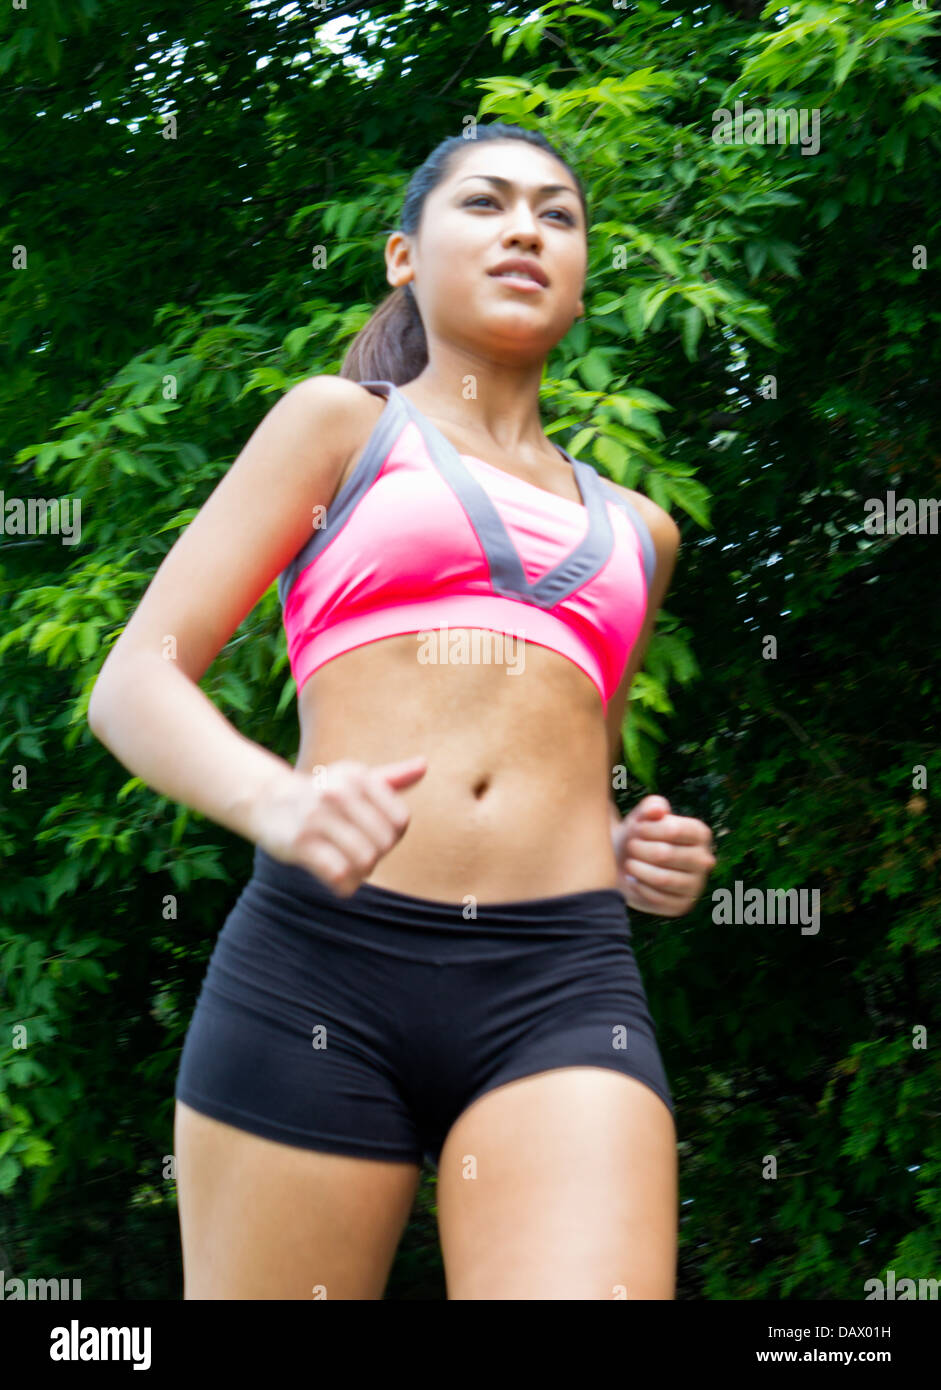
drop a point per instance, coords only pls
(561, 1185)
(265, 1220)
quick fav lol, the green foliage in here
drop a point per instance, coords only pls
(175, 289)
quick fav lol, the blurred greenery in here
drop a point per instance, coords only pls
(759, 355)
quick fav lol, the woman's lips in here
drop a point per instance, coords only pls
(518, 282)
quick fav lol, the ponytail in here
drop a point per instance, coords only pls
(392, 345)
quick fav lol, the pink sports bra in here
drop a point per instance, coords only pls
(421, 538)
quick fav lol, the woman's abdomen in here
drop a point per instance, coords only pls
(515, 800)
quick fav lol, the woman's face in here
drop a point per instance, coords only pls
(494, 205)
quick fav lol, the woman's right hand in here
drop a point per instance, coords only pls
(337, 821)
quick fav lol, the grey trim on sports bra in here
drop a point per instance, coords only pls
(506, 570)
(640, 526)
(385, 432)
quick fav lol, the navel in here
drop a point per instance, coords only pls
(480, 786)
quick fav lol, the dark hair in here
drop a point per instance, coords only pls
(392, 345)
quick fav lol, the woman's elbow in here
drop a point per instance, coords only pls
(95, 714)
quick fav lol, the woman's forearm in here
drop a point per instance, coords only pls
(160, 725)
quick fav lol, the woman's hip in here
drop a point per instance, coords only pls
(399, 974)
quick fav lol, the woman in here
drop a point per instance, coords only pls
(432, 957)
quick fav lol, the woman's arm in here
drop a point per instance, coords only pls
(663, 860)
(146, 706)
(666, 539)
(160, 725)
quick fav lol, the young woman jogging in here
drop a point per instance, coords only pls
(432, 957)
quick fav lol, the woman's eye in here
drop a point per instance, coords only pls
(486, 198)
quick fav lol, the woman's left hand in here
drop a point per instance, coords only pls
(664, 860)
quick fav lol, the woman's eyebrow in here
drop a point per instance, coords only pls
(508, 183)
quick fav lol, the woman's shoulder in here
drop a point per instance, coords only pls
(345, 407)
(662, 527)
(338, 390)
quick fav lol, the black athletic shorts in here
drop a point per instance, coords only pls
(364, 1025)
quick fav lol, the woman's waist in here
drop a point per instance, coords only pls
(496, 843)
(405, 919)
(502, 872)
(495, 832)
(514, 799)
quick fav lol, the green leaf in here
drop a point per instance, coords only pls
(656, 486)
(597, 15)
(8, 1139)
(130, 785)
(22, 1071)
(752, 323)
(37, 1152)
(125, 461)
(60, 880)
(74, 448)
(647, 423)
(288, 691)
(595, 371)
(234, 691)
(581, 439)
(691, 326)
(845, 62)
(612, 454)
(9, 1172)
(895, 144)
(180, 822)
(129, 422)
(30, 747)
(649, 692)
(90, 972)
(634, 311)
(782, 253)
(652, 301)
(692, 497)
(156, 414)
(636, 396)
(674, 655)
(666, 258)
(296, 340)
(755, 254)
(179, 872)
(88, 639)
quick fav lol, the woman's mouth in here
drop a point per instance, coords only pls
(515, 280)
